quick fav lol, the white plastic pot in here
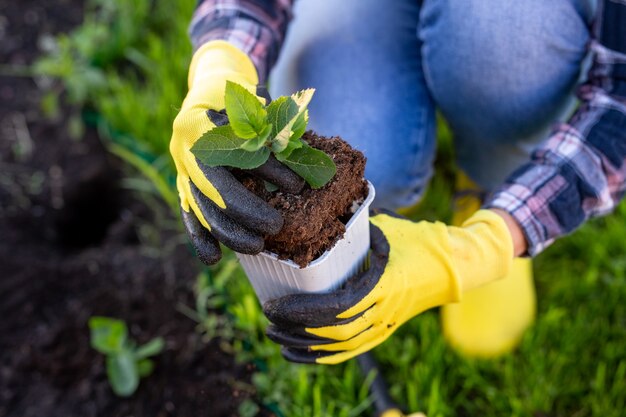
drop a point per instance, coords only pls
(272, 277)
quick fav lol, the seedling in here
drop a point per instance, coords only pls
(125, 362)
(254, 131)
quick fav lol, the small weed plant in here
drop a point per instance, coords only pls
(255, 131)
(126, 362)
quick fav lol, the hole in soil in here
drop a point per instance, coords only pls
(90, 207)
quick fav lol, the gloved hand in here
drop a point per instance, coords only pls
(215, 206)
(413, 267)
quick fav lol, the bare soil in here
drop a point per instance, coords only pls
(70, 248)
(315, 219)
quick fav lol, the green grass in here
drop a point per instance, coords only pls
(128, 62)
(572, 362)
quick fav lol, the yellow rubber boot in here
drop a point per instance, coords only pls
(491, 320)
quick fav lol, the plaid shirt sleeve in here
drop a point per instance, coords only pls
(257, 27)
(579, 172)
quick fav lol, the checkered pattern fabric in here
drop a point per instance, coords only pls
(256, 27)
(579, 172)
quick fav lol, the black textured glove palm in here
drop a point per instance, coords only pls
(216, 207)
(413, 267)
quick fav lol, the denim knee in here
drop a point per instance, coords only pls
(502, 73)
(401, 175)
(364, 62)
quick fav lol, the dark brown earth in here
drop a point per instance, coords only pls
(74, 244)
(315, 219)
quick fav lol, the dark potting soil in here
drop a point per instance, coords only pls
(315, 219)
(73, 245)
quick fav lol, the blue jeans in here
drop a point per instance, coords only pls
(501, 73)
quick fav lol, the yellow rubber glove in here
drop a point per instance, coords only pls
(215, 206)
(491, 320)
(413, 267)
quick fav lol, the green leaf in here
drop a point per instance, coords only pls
(269, 187)
(221, 147)
(299, 126)
(257, 143)
(313, 165)
(145, 367)
(284, 123)
(280, 112)
(153, 347)
(248, 408)
(246, 114)
(122, 373)
(107, 335)
(291, 146)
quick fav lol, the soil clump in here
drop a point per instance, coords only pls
(315, 219)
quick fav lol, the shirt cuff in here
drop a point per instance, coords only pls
(517, 200)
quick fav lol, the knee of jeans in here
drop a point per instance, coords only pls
(396, 194)
(502, 70)
(399, 185)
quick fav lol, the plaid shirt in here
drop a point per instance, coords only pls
(257, 27)
(579, 172)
